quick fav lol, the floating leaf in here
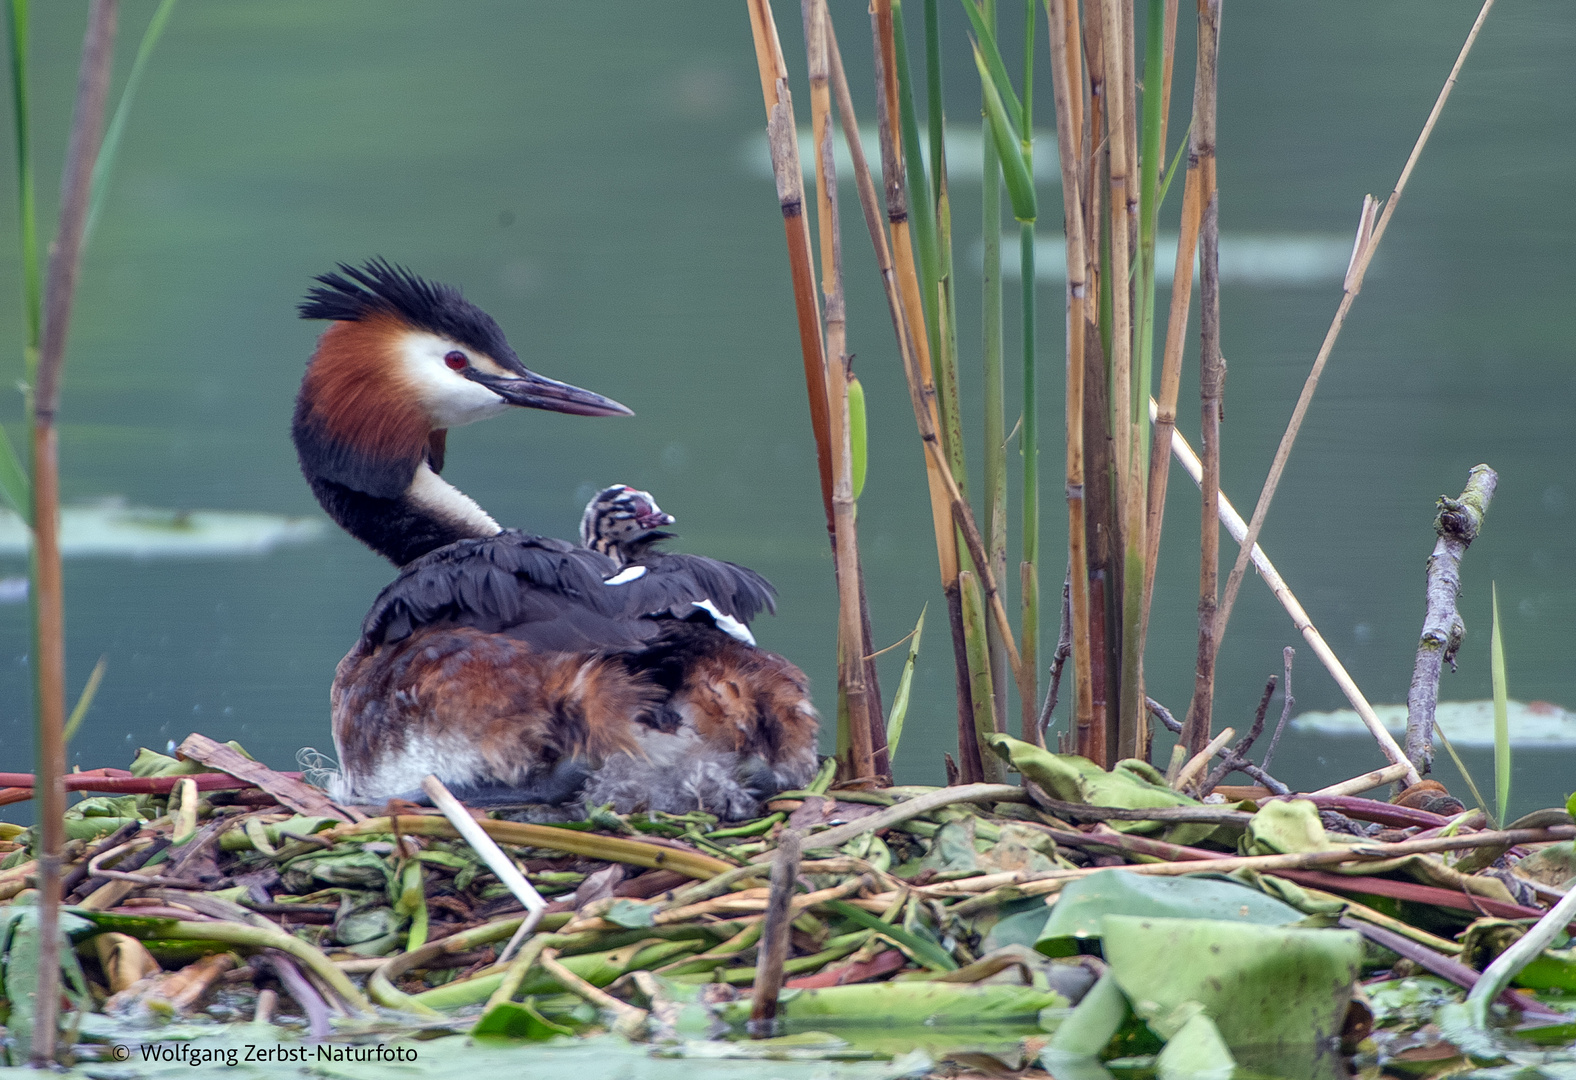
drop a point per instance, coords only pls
(1277, 992)
(1083, 905)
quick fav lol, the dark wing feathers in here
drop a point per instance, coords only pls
(492, 585)
(674, 582)
(553, 596)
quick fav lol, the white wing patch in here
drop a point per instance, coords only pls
(626, 575)
(726, 623)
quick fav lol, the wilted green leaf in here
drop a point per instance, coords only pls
(1077, 779)
(1284, 827)
(1278, 992)
(1196, 1052)
(518, 1020)
(1083, 905)
(631, 914)
(1089, 1027)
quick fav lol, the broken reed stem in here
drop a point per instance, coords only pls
(49, 614)
(782, 137)
(1456, 524)
(775, 937)
(1299, 617)
(1068, 101)
(1211, 378)
(851, 667)
(1352, 286)
(1197, 762)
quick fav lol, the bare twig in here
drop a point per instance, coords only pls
(1457, 524)
(1239, 752)
(1287, 701)
(1354, 284)
(1064, 648)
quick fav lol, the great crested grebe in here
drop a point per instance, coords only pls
(518, 668)
(727, 690)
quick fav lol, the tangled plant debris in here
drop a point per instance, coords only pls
(1085, 915)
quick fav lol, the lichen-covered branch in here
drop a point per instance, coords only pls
(1457, 524)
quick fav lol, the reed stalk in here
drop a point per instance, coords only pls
(994, 380)
(1029, 437)
(914, 251)
(1061, 18)
(976, 704)
(1362, 257)
(87, 126)
(1123, 205)
(783, 138)
(867, 727)
(1171, 358)
(1135, 614)
(859, 712)
(1196, 729)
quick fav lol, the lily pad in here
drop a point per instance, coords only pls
(1465, 723)
(1275, 994)
(1083, 905)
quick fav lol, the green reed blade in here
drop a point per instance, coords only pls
(105, 163)
(15, 488)
(1501, 714)
(1020, 185)
(32, 274)
(904, 684)
(986, 43)
(85, 700)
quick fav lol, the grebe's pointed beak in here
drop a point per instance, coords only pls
(533, 391)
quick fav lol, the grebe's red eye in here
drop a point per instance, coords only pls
(456, 360)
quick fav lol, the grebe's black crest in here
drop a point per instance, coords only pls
(382, 288)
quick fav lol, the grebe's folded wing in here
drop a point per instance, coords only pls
(502, 584)
(674, 583)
